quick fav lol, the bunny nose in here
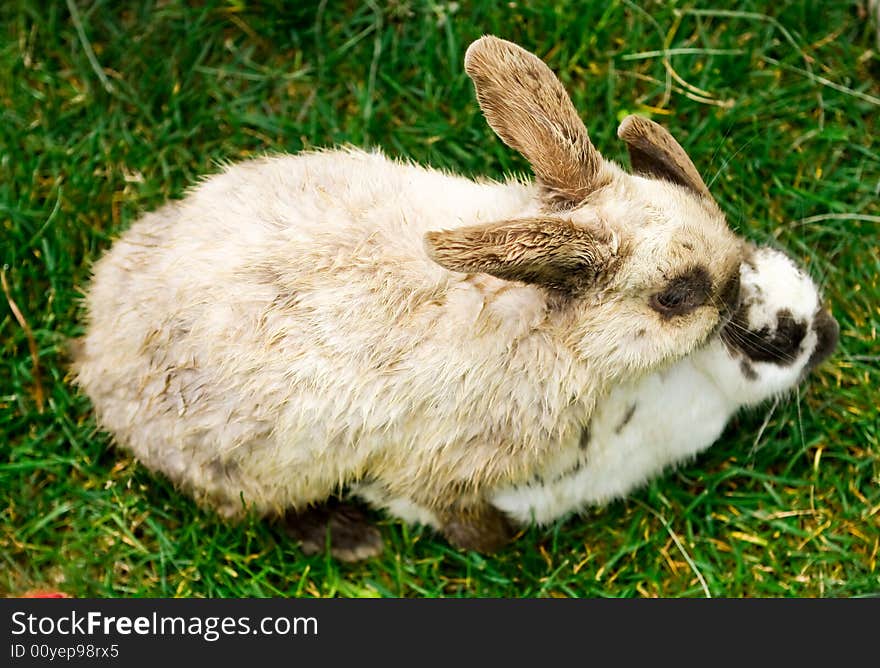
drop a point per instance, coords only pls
(828, 333)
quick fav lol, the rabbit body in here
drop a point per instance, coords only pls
(281, 331)
(645, 426)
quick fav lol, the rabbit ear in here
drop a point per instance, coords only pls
(527, 107)
(654, 152)
(546, 251)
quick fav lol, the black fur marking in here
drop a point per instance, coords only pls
(779, 346)
(748, 370)
(578, 465)
(756, 298)
(729, 295)
(828, 333)
(626, 418)
(683, 293)
(567, 473)
(586, 435)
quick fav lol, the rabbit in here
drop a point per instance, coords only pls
(779, 333)
(297, 323)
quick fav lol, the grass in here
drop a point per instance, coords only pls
(108, 113)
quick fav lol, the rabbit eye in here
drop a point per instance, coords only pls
(683, 294)
(671, 299)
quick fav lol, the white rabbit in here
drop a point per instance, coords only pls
(778, 334)
(301, 322)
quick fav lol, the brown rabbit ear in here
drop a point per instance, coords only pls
(654, 152)
(528, 108)
(545, 251)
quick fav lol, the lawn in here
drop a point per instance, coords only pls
(107, 112)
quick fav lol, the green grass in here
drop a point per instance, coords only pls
(777, 103)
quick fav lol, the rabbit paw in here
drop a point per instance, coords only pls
(485, 529)
(341, 526)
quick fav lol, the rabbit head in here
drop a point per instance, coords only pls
(779, 332)
(643, 265)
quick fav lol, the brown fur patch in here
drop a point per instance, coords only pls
(487, 286)
(528, 108)
(654, 152)
(545, 251)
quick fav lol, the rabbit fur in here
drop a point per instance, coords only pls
(643, 427)
(298, 323)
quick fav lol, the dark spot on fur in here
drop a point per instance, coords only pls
(729, 294)
(269, 275)
(683, 293)
(779, 345)
(828, 333)
(578, 465)
(688, 246)
(641, 333)
(586, 435)
(756, 298)
(748, 370)
(567, 473)
(626, 418)
(222, 470)
(749, 260)
(285, 296)
(157, 341)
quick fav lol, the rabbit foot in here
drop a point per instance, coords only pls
(345, 527)
(483, 529)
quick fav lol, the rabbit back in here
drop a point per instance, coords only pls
(280, 332)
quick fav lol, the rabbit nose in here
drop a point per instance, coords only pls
(828, 333)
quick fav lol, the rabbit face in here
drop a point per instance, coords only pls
(676, 278)
(642, 267)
